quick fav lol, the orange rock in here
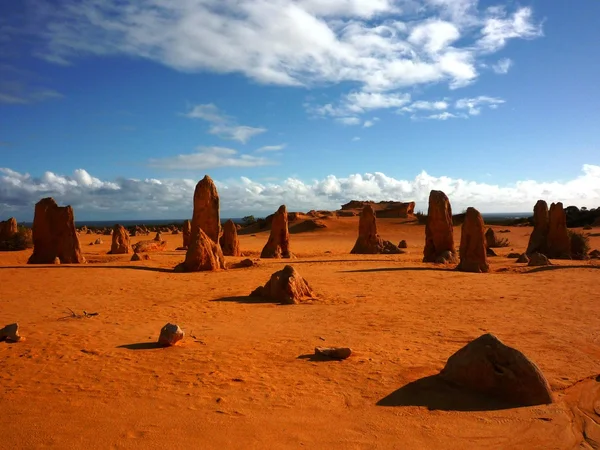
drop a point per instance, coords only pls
(473, 257)
(368, 241)
(286, 286)
(54, 235)
(120, 241)
(539, 236)
(558, 241)
(230, 244)
(187, 231)
(439, 234)
(202, 254)
(8, 229)
(278, 245)
(149, 246)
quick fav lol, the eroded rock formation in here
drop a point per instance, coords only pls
(558, 241)
(473, 255)
(230, 244)
(120, 241)
(539, 235)
(285, 286)
(278, 245)
(368, 241)
(8, 228)
(439, 234)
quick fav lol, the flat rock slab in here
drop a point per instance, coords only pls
(333, 352)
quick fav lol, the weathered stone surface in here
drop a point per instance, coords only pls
(230, 244)
(242, 264)
(98, 241)
(402, 244)
(524, 259)
(439, 234)
(558, 242)
(54, 234)
(285, 286)
(539, 235)
(368, 241)
(10, 333)
(140, 257)
(8, 228)
(473, 256)
(120, 241)
(538, 259)
(489, 367)
(158, 237)
(187, 232)
(446, 257)
(513, 255)
(278, 245)
(490, 238)
(203, 254)
(170, 334)
(594, 254)
(333, 352)
(149, 246)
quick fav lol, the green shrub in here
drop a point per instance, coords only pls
(22, 240)
(580, 245)
(248, 220)
(421, 218)
(501, 242)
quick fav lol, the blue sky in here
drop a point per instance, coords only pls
(120, 110)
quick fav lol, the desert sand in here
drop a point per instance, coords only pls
(245, 376)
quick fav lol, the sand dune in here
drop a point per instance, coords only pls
(244, 376)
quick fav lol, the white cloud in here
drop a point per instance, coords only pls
(502, 66)
(271, 148)
(444, 116)
(422, 105)
(208, 158)
(378, 44)
(348, 120)
(368, 124)
(222, 125)
(171, 198)
(355, 139)
(474, 105)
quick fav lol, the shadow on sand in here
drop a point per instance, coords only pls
(142, 346)
(546, 268)
(435, 393)
(312, 357)
(245, 299)
(393, 269)
(89, 267)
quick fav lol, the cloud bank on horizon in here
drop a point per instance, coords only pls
(125, 198)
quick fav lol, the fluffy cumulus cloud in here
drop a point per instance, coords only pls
(223, 125)
(172, 198)
(379, 45)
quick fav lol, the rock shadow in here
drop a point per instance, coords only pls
(545, 268)
(435, 393)
(312, 357)
(393, 269)
(245, 299)
(142, 346)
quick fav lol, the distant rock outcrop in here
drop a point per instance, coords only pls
(368, 241)
(278, 245)
(489, 367)
(473, 256)
(384, 209)
(120, 241)
(204, 251)
(285, 286)
(230, 244)
(558, 242)
(439, 234)
(539, 235)
(8, 228)
(54, 235)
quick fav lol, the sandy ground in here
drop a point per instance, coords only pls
(244, 376)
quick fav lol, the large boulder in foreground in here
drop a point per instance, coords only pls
(368, 241)
(8, 228)
(230, 243)
(558, 241)
(278, 245)
(187, 232)
(473, 256)
(54, 235)
(149, 246)
(439, 234)
(120, 241)
(489, 367)
(286, 286)
(203, 254)
(539, 235)
(170, 335)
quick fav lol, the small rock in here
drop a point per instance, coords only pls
(490, 252)
(170, 334)
(98, 241)
(538, 259)
(523, 258)
(513, 255)
(10, 333)
(140, 257)
(595, 254)
(402, 244)
(333, 352)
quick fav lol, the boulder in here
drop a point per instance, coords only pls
(558, 241)
(242, 264)
(140, 257)
(149, 246)
(120, 241)
(10, 333)
(278, 245)
(524, 259)
(368, 241)
(285, 286)
(333, 352)
(8, 228)
(595, 254)
(54, 234)
(204, 252)
(170, 335)
(513, 255)
(489, 367)
(98, 241)
(187, 231)
(446, 257)
(538, 259)
(230, 244)
(158, 236)
(402, 244)
(490, 252)
(473, 256)
(539, 235)
(439, 234)
(490, 238)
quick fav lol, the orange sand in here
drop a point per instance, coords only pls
(244, 378)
